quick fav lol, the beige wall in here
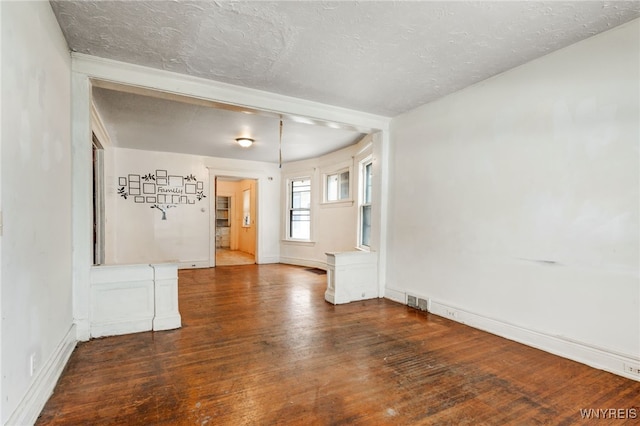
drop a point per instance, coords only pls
(334, 226)
(247, 234)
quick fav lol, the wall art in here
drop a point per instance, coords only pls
(161, 190)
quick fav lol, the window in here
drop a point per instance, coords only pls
(246, 208)
(300, 209)
(337, 186)
(365, 204)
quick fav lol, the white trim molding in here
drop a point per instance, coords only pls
(97, 127)
(309, 263)
(267, 260)
(395, 295)
(261, 178)
(171, 82)
(584, 353)
(41, 388)
(82, 199)
(196, 264)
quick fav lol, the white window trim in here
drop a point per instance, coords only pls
(361, 193)
(304, 243)
(337, 203)
(341, 203)
(287, 219)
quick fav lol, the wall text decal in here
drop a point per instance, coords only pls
(161, 189)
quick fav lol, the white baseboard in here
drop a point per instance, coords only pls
(29, 408)
(268, 259)
(169, 322)
(395, 295)
(83, 329)
(193, 265)
(584, 353)
(304, 262)
(117, 328)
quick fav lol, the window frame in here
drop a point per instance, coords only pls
(290, 209)
(365, 181)
(325, 186)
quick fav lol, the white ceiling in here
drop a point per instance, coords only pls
(380, 57)
(156, 124)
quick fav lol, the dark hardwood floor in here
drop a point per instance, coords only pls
(259, 345)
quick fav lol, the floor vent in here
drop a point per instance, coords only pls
(417, 302)
(423, 305)
(412, 301)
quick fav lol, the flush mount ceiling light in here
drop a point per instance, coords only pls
(244, 142)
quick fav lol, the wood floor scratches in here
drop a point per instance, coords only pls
(260, 346)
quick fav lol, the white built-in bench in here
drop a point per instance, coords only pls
(351, 276)
(133, 298)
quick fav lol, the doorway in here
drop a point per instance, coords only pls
(235, 221)
(98, 200)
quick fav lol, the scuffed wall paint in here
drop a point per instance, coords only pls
(518, 198)
(36, 195)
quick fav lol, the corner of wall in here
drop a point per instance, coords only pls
(41, 388)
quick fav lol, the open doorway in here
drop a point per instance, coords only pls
(235, 221)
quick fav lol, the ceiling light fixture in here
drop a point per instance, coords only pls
(245, 142)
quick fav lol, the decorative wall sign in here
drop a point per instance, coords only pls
(163, 209)
(161, 189)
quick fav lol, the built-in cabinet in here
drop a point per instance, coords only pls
(223, 221)
(351, 276)
(222, 212)
(132, 298)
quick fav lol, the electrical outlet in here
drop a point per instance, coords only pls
(451, 313)
(633, 369)
(33, 364)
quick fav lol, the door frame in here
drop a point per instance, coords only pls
(214, 175)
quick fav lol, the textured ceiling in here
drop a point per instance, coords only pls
(378, 57)
(381, 57)
(156, 124)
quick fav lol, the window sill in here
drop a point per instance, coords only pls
(343, 203)
(304, 243)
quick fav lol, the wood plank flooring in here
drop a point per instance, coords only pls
(226, 257)
(260, 346)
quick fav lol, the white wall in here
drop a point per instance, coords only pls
(334, 225)
(136, 233)
(517, 198)
(36, 197)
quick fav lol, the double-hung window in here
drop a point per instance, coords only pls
(365, 203)
(299, 209)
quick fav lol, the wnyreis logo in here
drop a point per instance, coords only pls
(609, 413)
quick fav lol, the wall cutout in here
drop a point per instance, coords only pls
(161, 189)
